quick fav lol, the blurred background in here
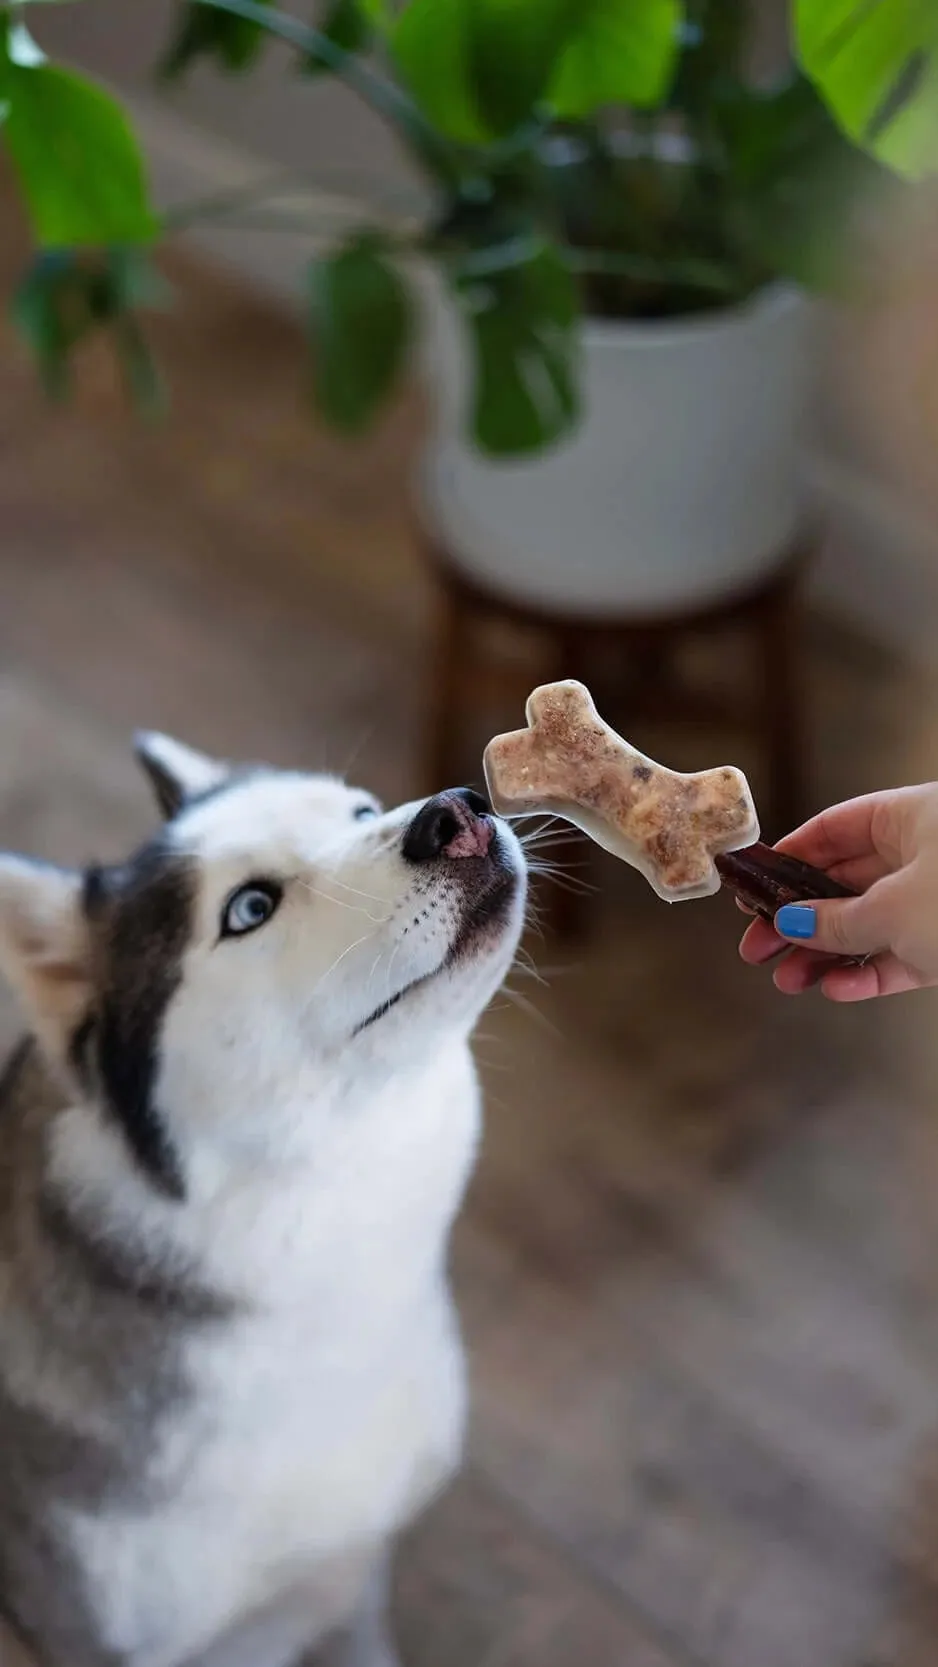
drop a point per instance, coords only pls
(699, 1265)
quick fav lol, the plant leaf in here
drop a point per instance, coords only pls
(798, 178)
(875, 62)
(480, 68)
(378, 12)
(430, 44)
(522, 323)
(142, 380)
(714, 40)
(210, 31)
(68, 296)
(349, 24)
(514, 50)
(621, 52)
(136, 281)
(360, 324)
(35, 313)
(76, 158)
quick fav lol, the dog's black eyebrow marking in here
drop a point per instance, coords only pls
(143, 919)
(79, 1050)
(16, 1064)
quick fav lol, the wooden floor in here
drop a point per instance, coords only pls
(699, 1265)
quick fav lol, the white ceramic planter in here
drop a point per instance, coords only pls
(681, 486)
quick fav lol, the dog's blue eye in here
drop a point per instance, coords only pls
(249, 907)
(364, 813)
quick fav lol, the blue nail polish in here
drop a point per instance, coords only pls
(797, 920)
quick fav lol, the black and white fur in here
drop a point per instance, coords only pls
(230, 1156)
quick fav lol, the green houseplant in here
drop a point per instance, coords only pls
(477, 89)
(682, 482)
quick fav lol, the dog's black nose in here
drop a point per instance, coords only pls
(452, 824)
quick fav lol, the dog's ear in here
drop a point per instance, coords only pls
(177, 773)
(44, 944)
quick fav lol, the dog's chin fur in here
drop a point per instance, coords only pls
(229, 1366)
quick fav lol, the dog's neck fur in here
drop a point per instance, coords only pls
(274, 1175)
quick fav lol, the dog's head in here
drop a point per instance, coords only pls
(282, 936)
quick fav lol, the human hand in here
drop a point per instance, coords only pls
(885, 847)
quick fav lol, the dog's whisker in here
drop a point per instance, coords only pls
(550, 825)
(559, 831)
(566, 881)
(573, 887)
(489, 1064)
(551, 850)
(533, 918)
(356, 908)
(540, 864)
(497, 1101)
(356, 752)
(340, 958)
(576, 888)
(525, 963)
(559, 842)
(532, 816)
(370, 896)
(526, 1006)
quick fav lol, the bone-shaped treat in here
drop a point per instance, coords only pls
(668, 825)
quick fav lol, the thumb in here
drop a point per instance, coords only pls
(852, 926)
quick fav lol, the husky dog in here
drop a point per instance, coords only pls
(230, 1155)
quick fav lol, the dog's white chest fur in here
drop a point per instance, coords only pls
(333, 1409)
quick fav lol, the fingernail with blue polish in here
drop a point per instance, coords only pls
(797, 920)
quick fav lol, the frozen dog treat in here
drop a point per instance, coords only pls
(688, 834)
(670, 826)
